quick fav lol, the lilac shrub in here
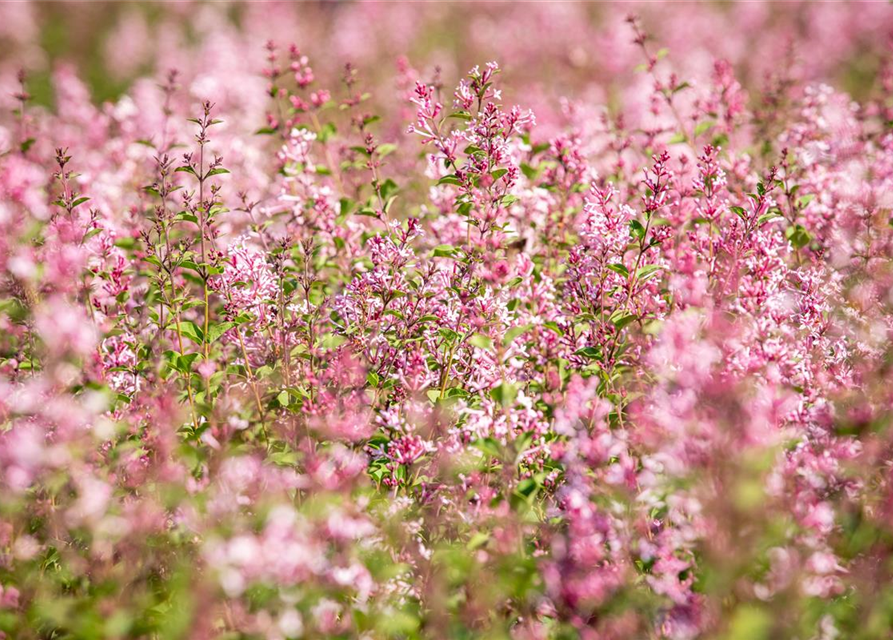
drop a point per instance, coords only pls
(341, 339)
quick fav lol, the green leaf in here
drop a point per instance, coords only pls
(444, 251)
(704, 126)
(478, 540)
(528, 487)
(647, 270)
(331, 341)
(187, 169)
(346, 205)
(450, 179)
(677, 138)
(504, 393)
(184, 362)
(553, 326)
(263, 372)
(361, 150)
(766, 217)
(327, 132)
(386, 149)
(750, 623)
(388, 188)
(798, 236)
(216, 172)
(489, 446)
(589, 352)
(619, 268)
(481, 341)
(191, 330)
(622, 318)
(217, 330)
(514, 332)
(191, 265)
(529, 172)
(284, 458)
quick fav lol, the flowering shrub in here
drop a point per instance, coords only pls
(334, 339)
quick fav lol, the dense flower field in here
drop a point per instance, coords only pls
(318, 322)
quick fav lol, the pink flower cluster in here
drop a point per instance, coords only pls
(298, 349)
